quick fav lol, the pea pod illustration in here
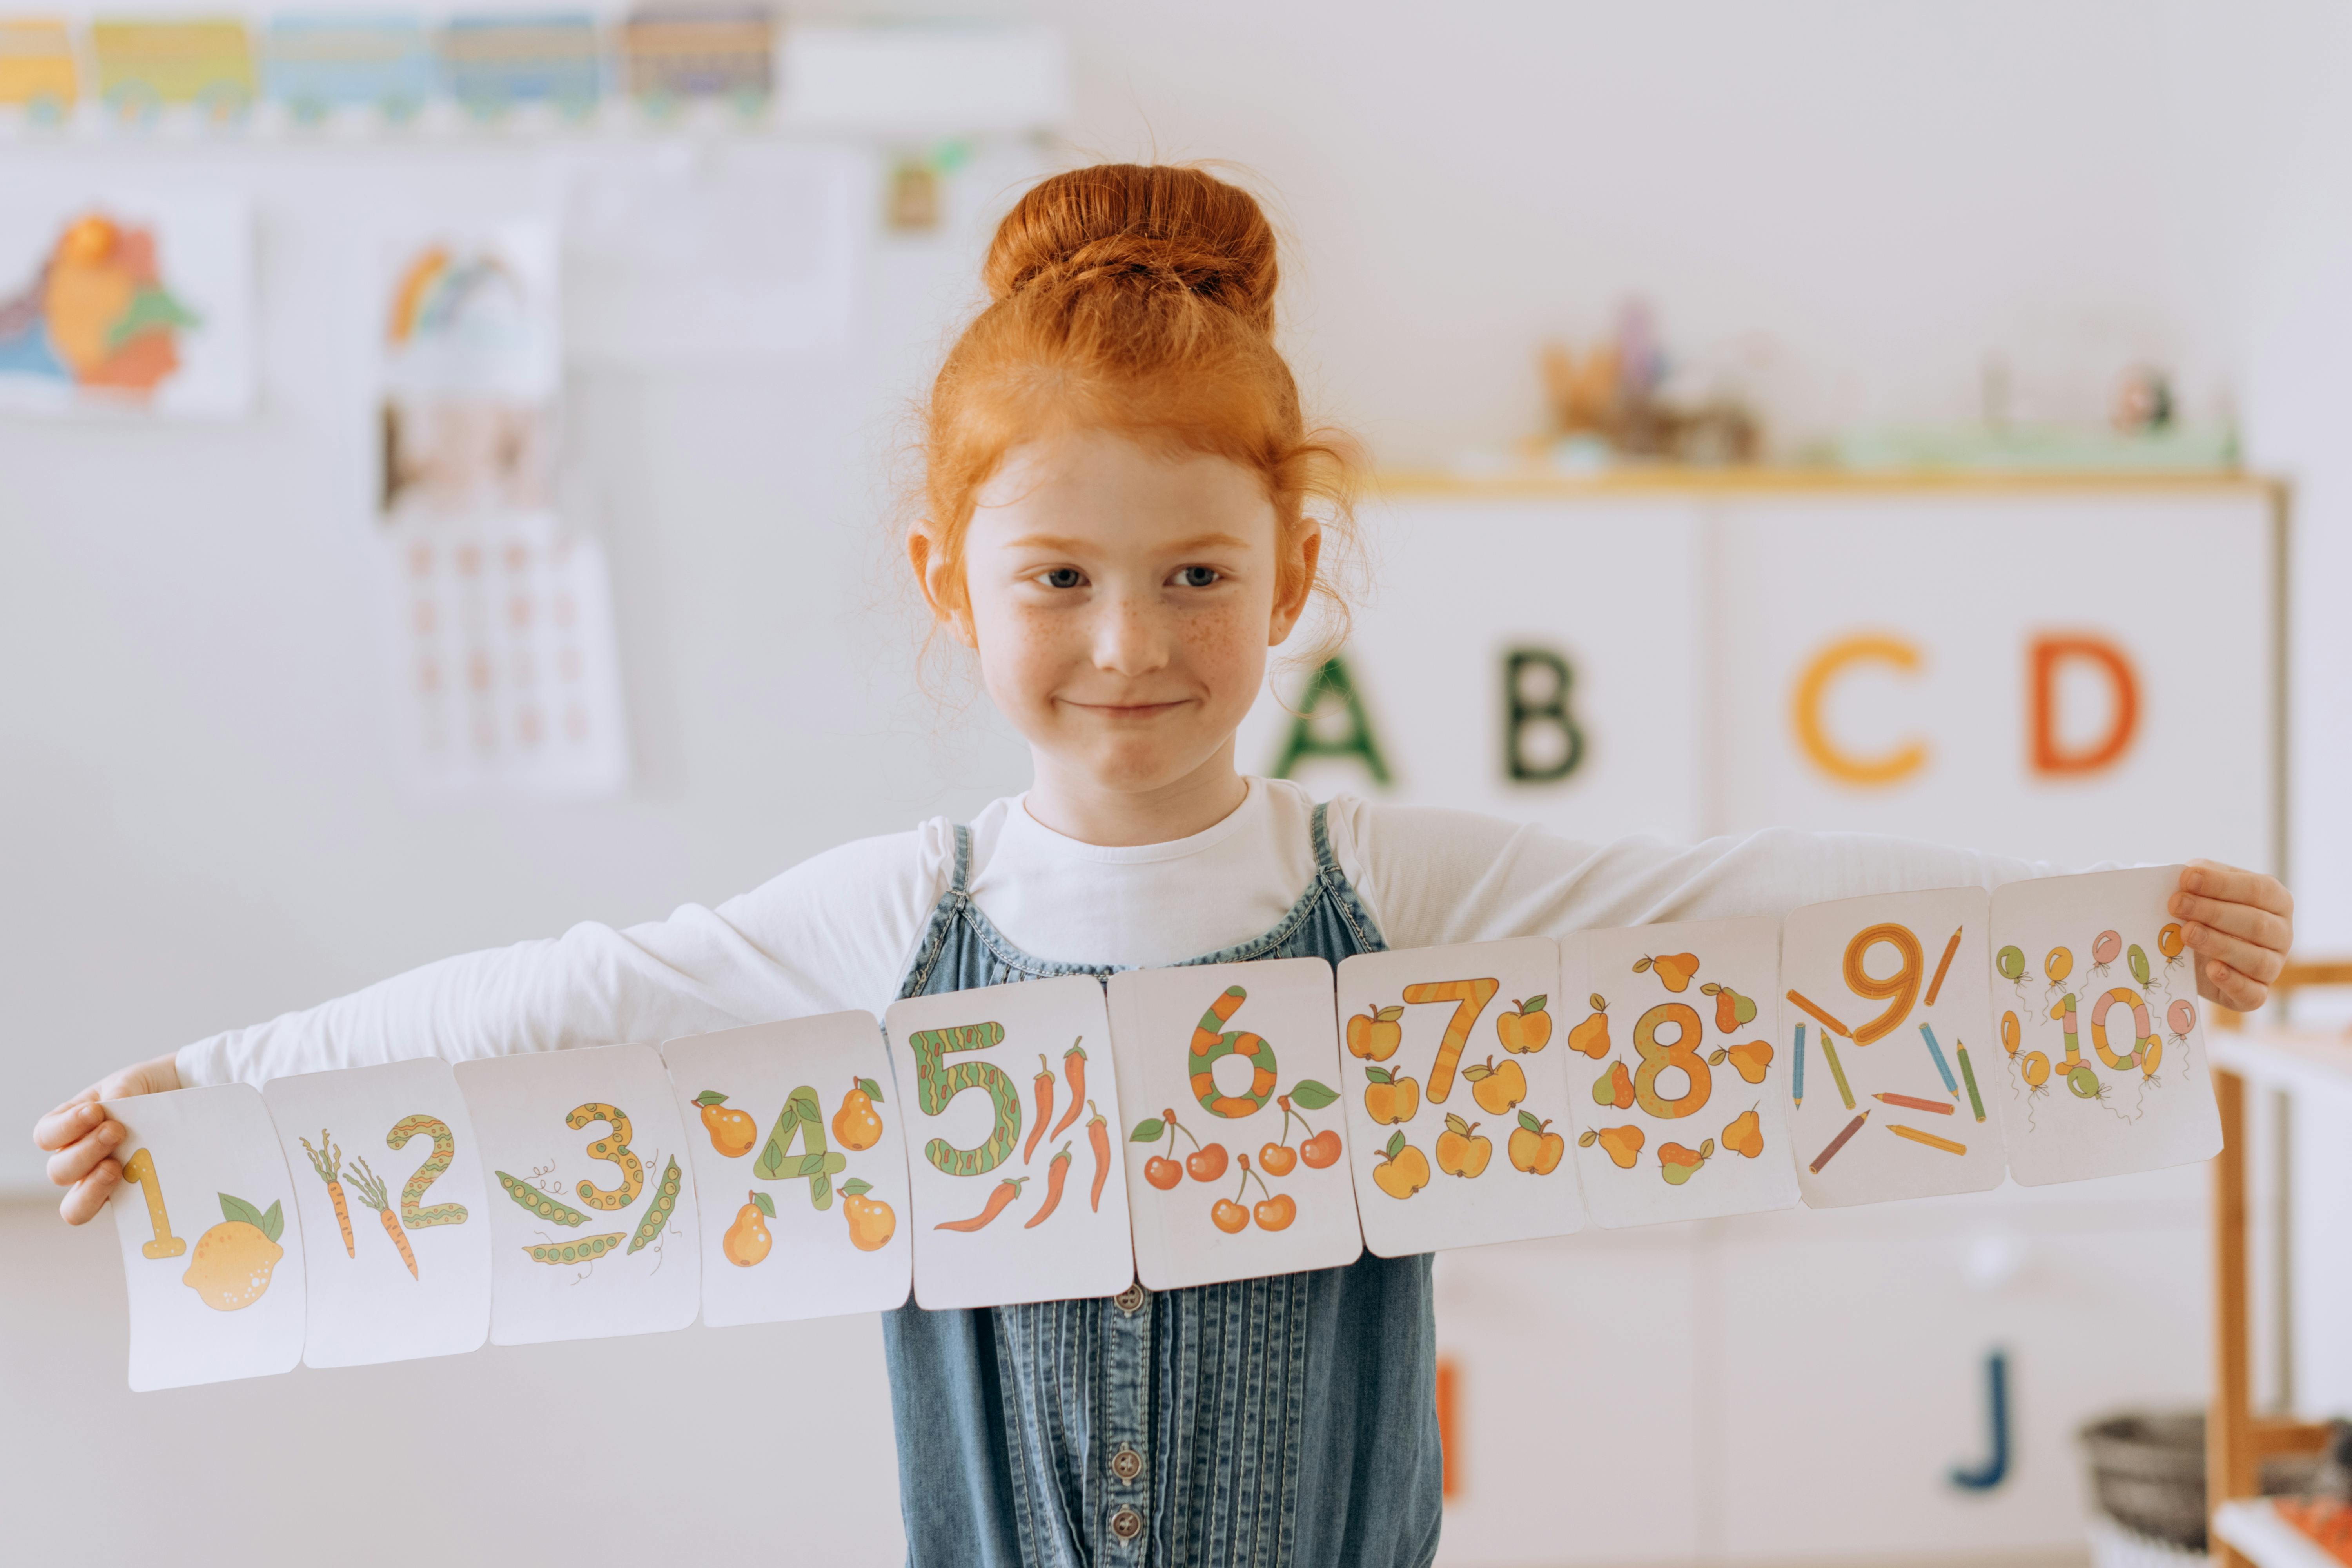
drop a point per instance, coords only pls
(552, 1210)
(587, 1249)
(665, 1203)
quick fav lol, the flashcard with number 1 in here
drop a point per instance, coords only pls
(1016, 1191)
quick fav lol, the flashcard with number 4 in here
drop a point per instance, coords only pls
(212, 1249)
(1017, 1193)
(388, 1179)
(593, 1224)
(1679, 1092)
(2102, 1042)
(1456, 1097)
(1236, 1157)
(800, 1157)
(1890, 1080)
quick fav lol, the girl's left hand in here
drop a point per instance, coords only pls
(2240, 925)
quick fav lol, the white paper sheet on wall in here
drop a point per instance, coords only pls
(2102, 1032)
(389, 1183)
(800, 1162)
(212, 1248)
(1228, 1172)
(593, 1213)
(1457, 1095)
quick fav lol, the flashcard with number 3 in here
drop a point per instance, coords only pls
(1017, 1193)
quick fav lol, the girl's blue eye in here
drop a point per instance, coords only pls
(1063, 577)
(1198, 576)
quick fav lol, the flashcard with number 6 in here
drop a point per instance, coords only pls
(1234, 1148)
(1017, 1193)
(800, 1162)
(1456, 1097)
(212, 1249)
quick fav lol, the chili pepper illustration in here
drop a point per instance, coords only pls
(1045, 1108)
(1098, 1134)
(1074, 1078)
(1057, 1172)
(1006, 1190)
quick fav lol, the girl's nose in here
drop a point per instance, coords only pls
(1131, 638)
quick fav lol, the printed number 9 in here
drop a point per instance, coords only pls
(1903, 984)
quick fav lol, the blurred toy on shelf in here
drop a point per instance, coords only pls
(2143, 402)
(1611, 405)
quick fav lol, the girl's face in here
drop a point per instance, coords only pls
(1123, 598)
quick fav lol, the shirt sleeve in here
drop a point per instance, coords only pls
(1432, 877)
(833, 932)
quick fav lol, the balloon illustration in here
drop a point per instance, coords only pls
(2058, 965)
(2167, 942)
(2009, 1032)
(2138, 961)
(2037, 1070)
(2104, 950)
(2084, 1081)
(2010, 961)
(2182, 1016)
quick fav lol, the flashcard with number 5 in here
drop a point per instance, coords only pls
(1017, 1193)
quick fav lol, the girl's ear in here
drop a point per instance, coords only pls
(1297, 581)
(942, 591)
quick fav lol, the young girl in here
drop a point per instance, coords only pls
(1117, 526)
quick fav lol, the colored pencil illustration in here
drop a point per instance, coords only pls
(1837, 1071)
(1911, 1103)
(1942, 1067)
(1826, 1022)
(1838, 1142)
(1942, 964)
(1968, 1074)
(1796, 1077)
(1929, 1139)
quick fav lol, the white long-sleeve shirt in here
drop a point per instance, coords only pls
(839, 930)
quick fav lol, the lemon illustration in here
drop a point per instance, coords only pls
(233, 1262)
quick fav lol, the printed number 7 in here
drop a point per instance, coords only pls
(937, 1084)
(1470, 998)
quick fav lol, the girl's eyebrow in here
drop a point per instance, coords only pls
(1062, 545)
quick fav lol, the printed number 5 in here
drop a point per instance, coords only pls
(937, 1084)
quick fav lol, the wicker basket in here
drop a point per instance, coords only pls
(2147, 1474)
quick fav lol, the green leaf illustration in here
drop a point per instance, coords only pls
(856, 1187)
(1535, 1003)
(1380, 1075)
(1313, 1095)
(873, 1090)
(1530, 1122)
(709, 1097)
(1396, 1146)
(765, 1204)
(1150, 1130)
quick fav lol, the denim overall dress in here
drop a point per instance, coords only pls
(1286, 1422)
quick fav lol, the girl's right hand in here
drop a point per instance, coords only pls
(82, 1139)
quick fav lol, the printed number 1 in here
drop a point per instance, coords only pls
(140, 1169)
(1470, 997)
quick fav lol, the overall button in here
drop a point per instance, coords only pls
(1129, 1300)
(1127, 1464)
(1126, 1524)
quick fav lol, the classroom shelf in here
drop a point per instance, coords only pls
(2252, 1527)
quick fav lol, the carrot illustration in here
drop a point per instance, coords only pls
(1044, 1107)
(1006, 1190)
(1098, 1134)
(1073, 1074)
(372, 1194)
(329, 1165)
(1058, 1172)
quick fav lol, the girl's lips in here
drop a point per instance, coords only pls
(1118, 711)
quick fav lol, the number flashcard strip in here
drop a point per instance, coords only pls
(2103, 1062)
(389, 1183)
(1678, 1096)
(1455, 1070)
(1011, 1103)
(592, 1201)
(1906, 970)
(212, 1249)
(800, 1156)
(1234, 1146)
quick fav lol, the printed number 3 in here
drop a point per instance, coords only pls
(614, 1149)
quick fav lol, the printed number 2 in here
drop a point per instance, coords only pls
(445, 1149)
(937, 1084)
(1470, 997)
(141, 1169)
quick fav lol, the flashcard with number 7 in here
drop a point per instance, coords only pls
(1892, 1073)
(1457, 1099)
(212, 1249)
(1016, 1191)
(388, 1179)
(1235, 1153)
(1678, 1089)
(800, 1156)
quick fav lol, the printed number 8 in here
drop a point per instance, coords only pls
(1656, 1058)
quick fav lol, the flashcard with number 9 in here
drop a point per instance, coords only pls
(800, 1156)
(1235, 1149)
(1010, 1097)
